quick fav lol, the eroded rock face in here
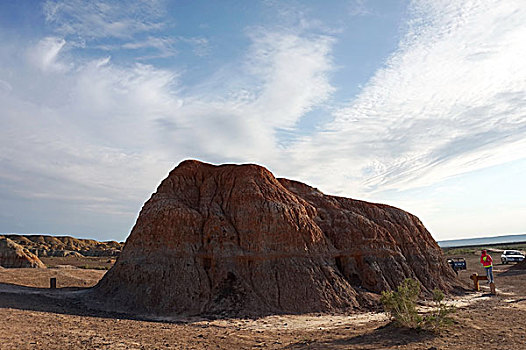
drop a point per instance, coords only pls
(14, 255)
(60, 246)
(234, 239)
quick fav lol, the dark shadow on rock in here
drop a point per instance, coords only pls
(382, 337)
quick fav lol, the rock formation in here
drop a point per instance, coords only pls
(59, 246)
(14, 255)
(234, 239)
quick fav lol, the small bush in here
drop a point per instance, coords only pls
(400, 305)
(439, 318)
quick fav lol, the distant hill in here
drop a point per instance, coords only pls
(14, 255)
(482, 241)
(51, 246)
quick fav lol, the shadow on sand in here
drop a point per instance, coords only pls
(80, 301)
(516, 270)
(69, 300)
(385, 336)
(73, 301)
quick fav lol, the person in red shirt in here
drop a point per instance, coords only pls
(487, 262)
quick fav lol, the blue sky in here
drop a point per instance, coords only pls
(419, 104)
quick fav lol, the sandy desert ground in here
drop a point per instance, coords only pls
(35, 317)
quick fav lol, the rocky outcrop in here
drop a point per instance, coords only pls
(14, 255)
(379, 245)
(234, 239)
(61, 246)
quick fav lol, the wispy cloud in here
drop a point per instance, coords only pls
(158, 43)
(200, 45)
(44, 55)
(112, 26)
(95, 19)
(451, 99)
(358, 8)
(5, 86)
(79, 135)
(283, 76)
(99, 134)
(106, 133)
(165, 46)
(294, 70)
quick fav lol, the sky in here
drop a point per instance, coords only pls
(418, 104)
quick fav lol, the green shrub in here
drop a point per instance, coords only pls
(439, 318)
(400, 305)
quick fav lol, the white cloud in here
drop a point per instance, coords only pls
(113, 26)
(234, 115)
(165, 46)
(85, 135)
(200, 46)
(451, 99)
(45, 54)
(158, 43)
(5, 86)
(359, 8)
(96, 18)
(102, 135)
(294, 70)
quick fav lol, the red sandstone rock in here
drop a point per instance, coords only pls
(13, 255)
(233, 238)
